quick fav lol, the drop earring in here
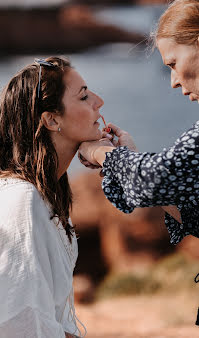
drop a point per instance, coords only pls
(59, 129)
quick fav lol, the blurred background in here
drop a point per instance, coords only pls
(129, 280)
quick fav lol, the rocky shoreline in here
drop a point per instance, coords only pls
(113, 242)
(69, 29)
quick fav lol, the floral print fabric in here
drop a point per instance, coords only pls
(170, 177)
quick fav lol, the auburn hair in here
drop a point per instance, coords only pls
(26, 148)
(179, 22)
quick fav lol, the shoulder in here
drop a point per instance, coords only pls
(14, 190)
(19, 198)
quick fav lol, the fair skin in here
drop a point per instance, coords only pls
(79, 122)
(183, 60)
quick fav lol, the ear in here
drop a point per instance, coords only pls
(50, 121)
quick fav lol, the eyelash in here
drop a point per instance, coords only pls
(84, 98)
(171, 65)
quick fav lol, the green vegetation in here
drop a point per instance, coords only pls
(173, 273)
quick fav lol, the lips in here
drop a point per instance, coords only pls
(96, 121)
(193, 97)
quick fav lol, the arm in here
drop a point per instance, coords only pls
(100, 155)
(124, 139)
(157, 179)
(169, 179)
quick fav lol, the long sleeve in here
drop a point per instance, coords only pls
(170, 177)
(26, 281)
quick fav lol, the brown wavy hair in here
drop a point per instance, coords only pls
(26, 148)
(180, 22)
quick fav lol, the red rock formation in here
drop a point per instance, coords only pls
(65, 30)
(190, 247)
(110, 239)
(151, 2)
(84, 23)
(121, 2)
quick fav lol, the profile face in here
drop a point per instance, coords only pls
(82, 110)
(183, 60)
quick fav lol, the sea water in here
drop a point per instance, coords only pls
(133, 82)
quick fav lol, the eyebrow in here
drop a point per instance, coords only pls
(83, 87)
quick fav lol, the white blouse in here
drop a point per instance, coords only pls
(36, 266)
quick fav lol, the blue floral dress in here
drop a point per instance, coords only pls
(170, 177)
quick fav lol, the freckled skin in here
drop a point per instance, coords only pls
(184, 63)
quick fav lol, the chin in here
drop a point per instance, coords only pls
(93, 136)
(98, 135)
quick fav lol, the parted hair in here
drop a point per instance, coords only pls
(26, 149)
(180, 22)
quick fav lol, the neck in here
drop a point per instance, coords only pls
(65, 151)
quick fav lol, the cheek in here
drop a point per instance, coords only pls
(77, 114)
(78, 122)
(191, 81)
(189, 75)
(82, 118)
(75, 123)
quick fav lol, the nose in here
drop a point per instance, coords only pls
(175, 83)
(185, 91)
(98, 101)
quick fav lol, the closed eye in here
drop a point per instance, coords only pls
(84, 98)
(171, 65)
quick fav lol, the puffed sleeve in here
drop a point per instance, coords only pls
(26, 284)
(170, 177)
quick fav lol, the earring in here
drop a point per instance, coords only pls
(59, 129)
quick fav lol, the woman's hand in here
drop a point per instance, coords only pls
(124, 138)
(69, 335)
(86, 163)
(93, 153)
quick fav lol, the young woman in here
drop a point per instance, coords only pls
(46, 111)
(171, 177)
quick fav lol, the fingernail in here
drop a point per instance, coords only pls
(109, 136)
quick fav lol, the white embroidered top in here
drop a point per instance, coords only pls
(36, 267)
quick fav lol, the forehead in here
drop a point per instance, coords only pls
(168, 48)
(73, 81)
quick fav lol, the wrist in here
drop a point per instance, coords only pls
(99, 154)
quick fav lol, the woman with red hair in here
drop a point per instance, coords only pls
(169, 178)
